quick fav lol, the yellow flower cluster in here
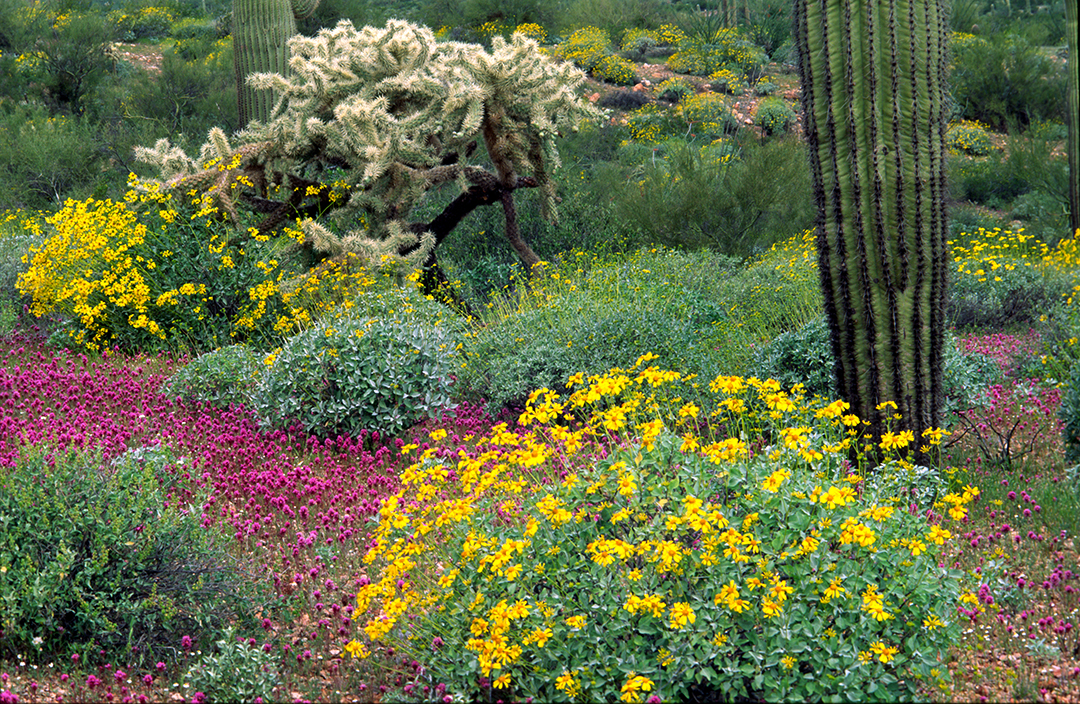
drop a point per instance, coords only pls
(87, 269)
(987, 254)
(532, 31)
(502, 520)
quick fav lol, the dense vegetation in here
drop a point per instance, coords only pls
(252, 446)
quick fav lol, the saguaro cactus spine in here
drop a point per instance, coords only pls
(260, 30)
(873, 86)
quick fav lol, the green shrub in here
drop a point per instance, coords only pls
(637, 40)
(598, 313)
(1005, 299)
(725, 49)
(194, 91)
(236, 670)
(770, 25)
(44, 159)
(59, 54)
(674, 90)
(615, 69)
(774, 116)
(802, 356)
(986, 180)
(354, 373)
(91, 556)
(586, 47)
(969, 137)
(736, 200)
(1004, 80)
(965, 218)
(615, 17)
(143, 23)
(17, 235)
(669, 563)
(765, 87)
(1069, 413)
(195, 28)
(223, 377)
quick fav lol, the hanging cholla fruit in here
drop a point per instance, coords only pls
(873, 91)
(261, 29)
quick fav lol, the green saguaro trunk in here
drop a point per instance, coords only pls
(1073, 81)
(260, 30)
(873, 89)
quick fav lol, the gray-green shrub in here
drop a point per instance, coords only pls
(235, 671)
(358, 373)
(220, 378)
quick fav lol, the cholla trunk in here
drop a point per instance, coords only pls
(261, 29)
(873, 86)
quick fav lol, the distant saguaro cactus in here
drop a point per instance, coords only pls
(873, 86)
(261, 29)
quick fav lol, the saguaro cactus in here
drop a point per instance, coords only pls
(261, 29)
(873, 88)
(1073, 81)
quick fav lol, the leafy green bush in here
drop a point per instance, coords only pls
(698, 118)
(1005, 299)
(802, 356)
(148, 22)
(677, 565)
(223, 377)
(985, 180)
(733, 200)
(765, 86)
(236, 670)
(638, 40)
(594, 313)
(1069, 413)
(194, 91)
(615, 69)
(354, 373)
(969, 137)
(674, 90)
(774, 116)
(91, 557)
(195, 28)
(17, 235)
(770, 25)
(725, 48)
(1003, 79)
(586, 47)
(697, 311)
(44, 159)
